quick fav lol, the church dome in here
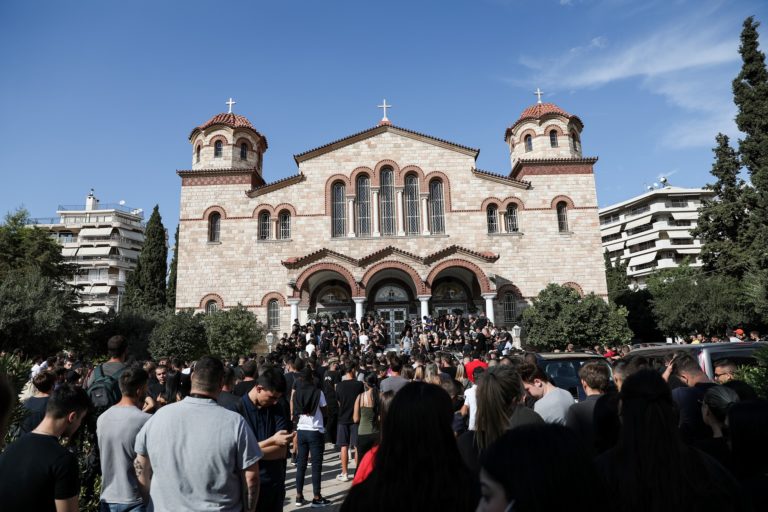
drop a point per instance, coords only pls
(540, 110)
(228, 119)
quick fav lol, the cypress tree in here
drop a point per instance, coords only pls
(170, 294)
(145, 287)
(721, 219)
(750, 91)
(616, 278)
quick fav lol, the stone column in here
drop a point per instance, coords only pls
(359, 308)
(489, 306)
(424, 215)
(399, 210)
(375, 212)
(351, 216)
(276, 229)
(424, 300)
(294, 303)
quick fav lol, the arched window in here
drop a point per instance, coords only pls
(493, 219)
(510, 308)
(197, 154)
(211, 306)
(510, 219)
(437, 219)
(285, 225)
(562, 217)
(553, 138)
(217, 147)
(528, 143)
(264, 226)
(363, 198)
(243, 151)
(387, 201)
(273, 314)
(576, 142)
(338, 211)
(412, 205)
(214, 226)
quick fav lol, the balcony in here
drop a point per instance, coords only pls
(100, 207)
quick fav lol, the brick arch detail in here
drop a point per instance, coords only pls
(263, 207)
(273, 295)
(329, 184)
(352, 189)
(507, 288)
(446, 187)
(418, 282)
(319, 267)
(555, 127)
(215, 208)
(513, 200)
(220, 137)
(209, 297)
(384, 163)
(285, 206)
(489, 201)
(557, 199)
(485, 283)
(411, 169)
(574, 286)
(528, 131)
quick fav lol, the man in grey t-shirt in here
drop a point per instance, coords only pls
(394, 382)
(116, 429)
(552, 403)
(196, 455)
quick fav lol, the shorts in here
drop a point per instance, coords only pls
(346, 435)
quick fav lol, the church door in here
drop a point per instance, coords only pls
(394, 318)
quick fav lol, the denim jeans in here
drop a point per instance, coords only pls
(310, 441)
(120, 507)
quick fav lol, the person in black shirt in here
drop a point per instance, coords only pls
(36, 472)
(36, 405)
(250, 369)
(347, 392)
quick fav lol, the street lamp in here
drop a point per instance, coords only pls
(270, 339)
(516, 337)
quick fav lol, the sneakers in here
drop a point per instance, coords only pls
(342, 477)
(300, 501)
(320, 502)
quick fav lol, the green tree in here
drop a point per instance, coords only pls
(23, 247)
(559, 315)
(170, 294)
(179, 335)
(232, 332)
(616, 277)
(145, 287)
(640, 316)
(721, 219)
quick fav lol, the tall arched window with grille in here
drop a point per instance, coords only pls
(412, 205)
(211, 306)
(510, 308)
(562, 216)
(273, 314)
(553, 138)
(197, 154)
(492, 214)
(436, 203)
(528, 143)
(387, 201)
(510, 219)
(285, 225)
(217, 149)
(338, 210)
(264, 226)
(363, 199)
(243, 151)
(214, 226)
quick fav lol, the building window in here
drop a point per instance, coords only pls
(217, 146)
(493, 219)
(211, 306)
(214, 226)
(510, 308)
(562, 217)
(412, 205)
(553, 138)
(437, 218)
(677, 203)
(528, 143)
(273, 314)
(197, 154)
(387, 201)
(264, 226)
(285, 225)
(576, 142)
(243, 151)
(510, 219)
(363, 198)
(338, 211)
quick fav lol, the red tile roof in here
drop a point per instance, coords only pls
(538, 111)
(228, 119)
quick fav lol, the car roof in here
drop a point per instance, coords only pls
(710, 347)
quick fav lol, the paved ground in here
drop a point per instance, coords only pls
(332, 489)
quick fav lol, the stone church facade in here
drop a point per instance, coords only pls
(388, 221)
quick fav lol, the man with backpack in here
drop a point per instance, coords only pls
(104, 383)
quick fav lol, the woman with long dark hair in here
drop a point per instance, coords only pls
(650, 468)
(417, 466)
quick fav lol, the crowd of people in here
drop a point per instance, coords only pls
(457, 418)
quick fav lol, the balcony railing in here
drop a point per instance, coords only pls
(45, 220)
(102, 206)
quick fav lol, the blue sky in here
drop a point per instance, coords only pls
(104, 94)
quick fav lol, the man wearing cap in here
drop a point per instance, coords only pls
(738, 335)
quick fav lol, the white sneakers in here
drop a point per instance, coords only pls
(342, 477)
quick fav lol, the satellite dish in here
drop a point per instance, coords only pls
(649, 187)
(121, 202)
(655, 185)
(663, 180)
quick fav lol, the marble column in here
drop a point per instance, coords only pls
(489, 306)
(424, 300)
(294, 303)
(400, 219)
(424, 214)
(358, 308)
(375, 210)
(351, 217)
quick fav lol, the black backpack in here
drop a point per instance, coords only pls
(104, 391)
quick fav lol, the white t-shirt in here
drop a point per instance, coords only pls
(363, 339)
(310, 348)
(307, 422)
(470, 400)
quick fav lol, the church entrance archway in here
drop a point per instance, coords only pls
(392, 302)
(457, 287)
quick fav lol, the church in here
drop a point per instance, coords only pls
(388, 221)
